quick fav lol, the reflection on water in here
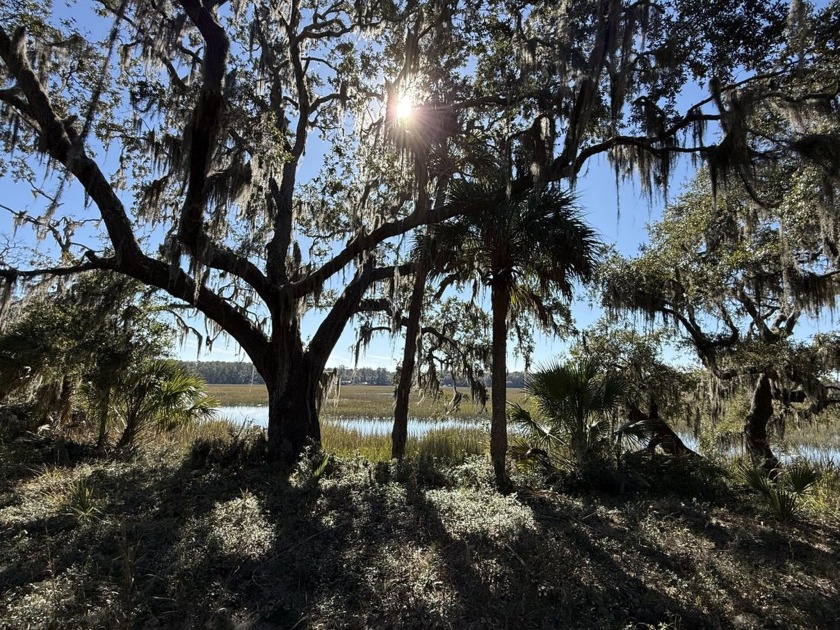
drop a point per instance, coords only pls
(820, 454)
(258, 416)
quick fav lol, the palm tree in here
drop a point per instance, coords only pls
(526, 250)
(161, 394)
(572, 400)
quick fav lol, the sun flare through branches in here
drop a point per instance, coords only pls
(405, 108)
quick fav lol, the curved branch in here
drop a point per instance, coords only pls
(365, 242)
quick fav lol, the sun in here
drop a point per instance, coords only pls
(405, 107)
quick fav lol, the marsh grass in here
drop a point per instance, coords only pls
(236, 395)
(369, 401)
(206, 430)
(448, 444)
(823, 497)
(451, 445)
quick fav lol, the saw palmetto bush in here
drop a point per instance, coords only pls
(782, 492)
(573, 402)
(161, 395)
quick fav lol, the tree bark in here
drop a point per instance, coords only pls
(755, 425)
(500, 301)
(65, 401)
(661, 434)
(399, 434)
(292, 407)
(129, 433)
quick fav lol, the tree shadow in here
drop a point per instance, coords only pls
(176, 542)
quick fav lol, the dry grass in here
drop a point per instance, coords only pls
(448, 444)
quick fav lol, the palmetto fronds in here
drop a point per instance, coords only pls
(534, 246)
(527, 250)
(572, 400)
(782, 493)
(163, 395)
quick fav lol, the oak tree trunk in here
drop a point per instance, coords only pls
(755, 425)
(292, 410)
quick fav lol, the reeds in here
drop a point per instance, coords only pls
(450, 444)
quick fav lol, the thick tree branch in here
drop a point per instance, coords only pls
(182, 286)
(205, 124)
(62, 144)
(93, 263)
(204, 130)
(283, 196)
(330, 330)
(365, 242)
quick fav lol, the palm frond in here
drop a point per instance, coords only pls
(542, 434)
(801, 476)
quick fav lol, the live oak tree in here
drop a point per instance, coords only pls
(190, 128)
(739, 260)
(736, 279)
(638, 356)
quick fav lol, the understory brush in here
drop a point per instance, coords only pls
(795, 489)
(206, 534)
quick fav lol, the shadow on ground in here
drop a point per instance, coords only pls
(173, 540)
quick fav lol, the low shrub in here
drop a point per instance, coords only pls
(783, 490)
(241, 446)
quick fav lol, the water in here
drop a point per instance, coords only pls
(810, 452)
(258, 416)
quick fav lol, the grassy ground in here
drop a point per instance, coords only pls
(373, 401)
(196, 532)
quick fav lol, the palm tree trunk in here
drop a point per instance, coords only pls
(65, 401)
(129, 432)
(399, 435)
(500, 302)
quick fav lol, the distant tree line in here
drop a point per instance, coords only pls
(224, 372)
(243, 372)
